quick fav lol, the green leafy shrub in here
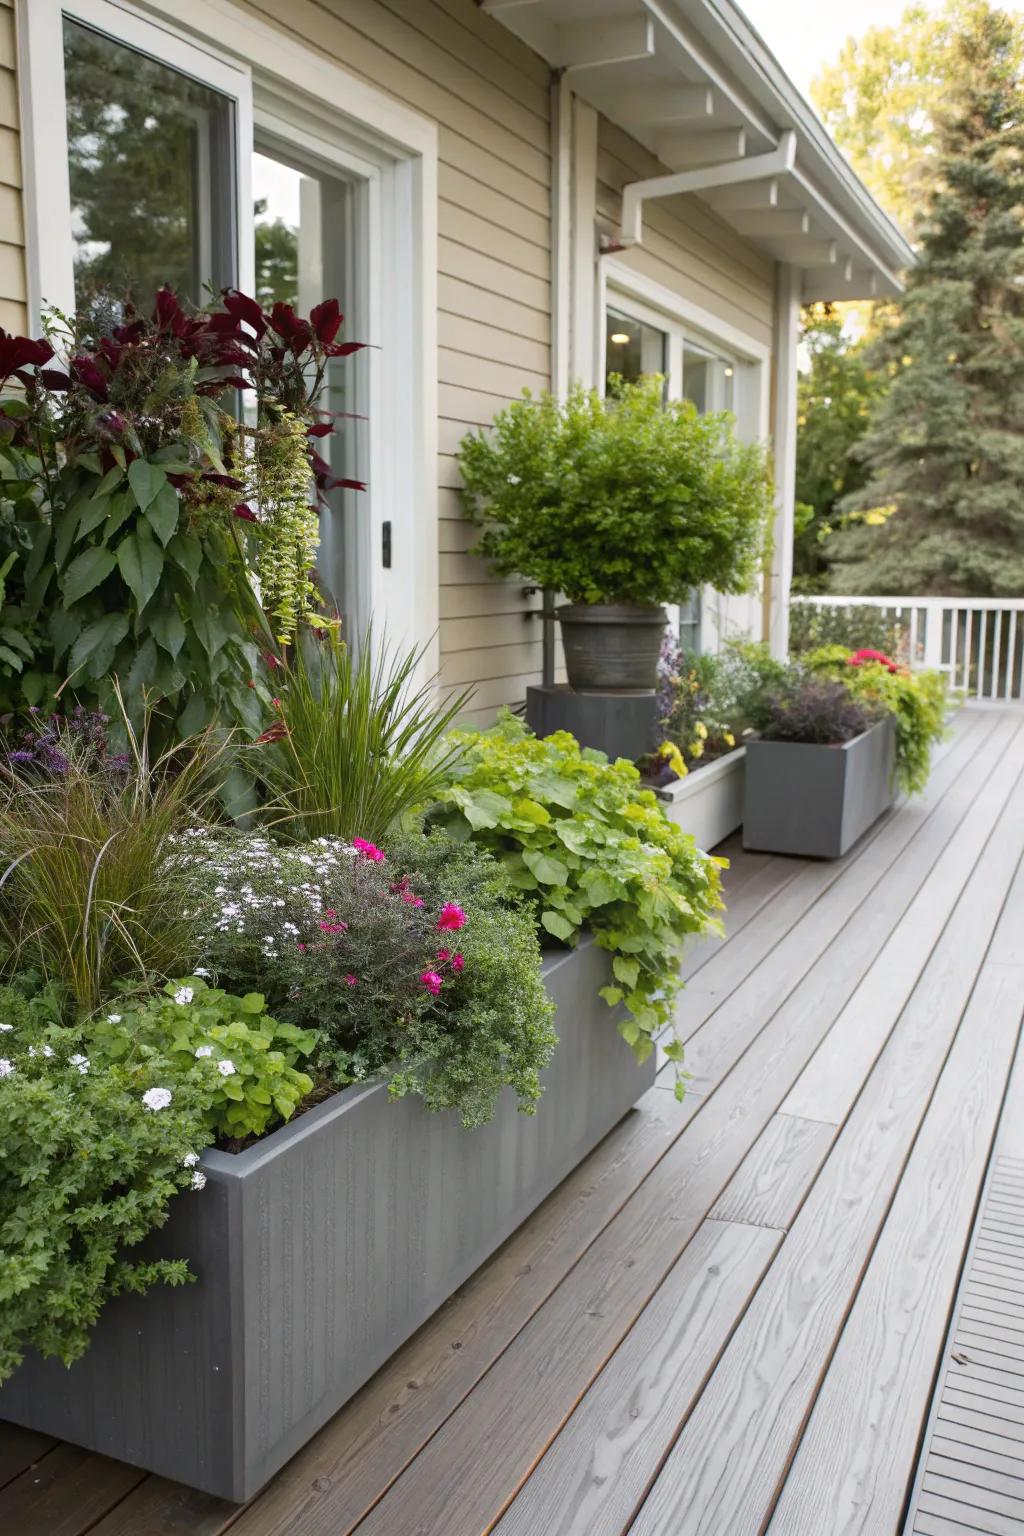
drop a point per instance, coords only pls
(590, 848)
(250, 1057)
(813, 625)
(917, 702)
(628, 499)
(82, 835)
(706, 702)
(357, 744)
(91, 1153)
(415, 964)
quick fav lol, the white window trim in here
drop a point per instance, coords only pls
(402, 325)
(641, 297)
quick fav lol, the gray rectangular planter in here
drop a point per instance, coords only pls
(319, 1251)
(814, 800)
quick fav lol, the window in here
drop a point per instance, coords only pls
(203, 148)
(633, 348)
(151, 173)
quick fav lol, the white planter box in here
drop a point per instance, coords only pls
(708, 803)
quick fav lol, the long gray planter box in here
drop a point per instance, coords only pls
(319, 1251)
(817, 801)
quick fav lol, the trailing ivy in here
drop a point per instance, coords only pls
(592, 850)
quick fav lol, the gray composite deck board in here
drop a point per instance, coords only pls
(730, 1318)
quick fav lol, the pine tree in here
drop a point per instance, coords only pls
(943, 509)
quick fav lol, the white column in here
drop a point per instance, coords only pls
(787, 334)
(583, 362)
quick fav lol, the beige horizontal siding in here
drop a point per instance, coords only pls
(13, 309)
(686, 247)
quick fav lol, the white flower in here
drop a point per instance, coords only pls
(5, 1027)
(190, 1159)
(226, 1068)
(184, 995)
(6, 1067)
(80, 1061)
(204, 1050)
(113, 1018)
(47, 1050)
(199, 1179)
(157, 1098)
(515, 480)
(200, 970)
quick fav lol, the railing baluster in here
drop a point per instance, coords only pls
(1011, 658)
(996, 648)
(982, 636)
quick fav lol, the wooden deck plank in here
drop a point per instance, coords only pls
(995, 1494)
(65, 1494)
(862, 911)
(455, 1484)
(744, 901)
(776, 1173)
(971, 1518)
(20, 1449)
(159, 1508)
(596, 1470)
(727, 1464)
(953, 1453)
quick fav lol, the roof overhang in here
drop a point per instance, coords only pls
(693, 82)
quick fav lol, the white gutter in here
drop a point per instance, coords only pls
(777, 161)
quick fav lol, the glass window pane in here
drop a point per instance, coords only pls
(707, 380)
(305, 236)
(152, 180)
(633, 348)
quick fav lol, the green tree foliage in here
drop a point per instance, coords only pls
(277, 259)
(835, 395)
(945, 447)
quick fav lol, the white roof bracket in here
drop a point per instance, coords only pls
(754, 168)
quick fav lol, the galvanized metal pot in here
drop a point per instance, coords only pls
(611, 645)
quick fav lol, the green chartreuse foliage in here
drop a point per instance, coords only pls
(917, 701)
(264, 1083)
(942, 511)
(591, 849)
(87, 1170)
(629, 499)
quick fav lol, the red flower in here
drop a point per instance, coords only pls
(458, 963)
(432, 981)
(444, 955)
(859, 658)
(452, 917)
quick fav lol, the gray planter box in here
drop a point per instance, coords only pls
(817, 801)
(318, 1252)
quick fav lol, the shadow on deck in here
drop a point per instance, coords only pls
(730, 1319)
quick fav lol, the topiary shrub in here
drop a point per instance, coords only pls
(629, 499)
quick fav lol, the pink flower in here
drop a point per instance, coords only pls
(301, 948)
(351, 980)
(411, 900)
(443, 955)
(458, 963)
(368, 850)
(432, 981)
(334, 927)
(452, 917)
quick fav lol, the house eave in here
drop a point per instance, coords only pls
(698, 87)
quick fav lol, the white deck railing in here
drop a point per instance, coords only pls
(978, 642)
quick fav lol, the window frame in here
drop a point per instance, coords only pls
(388, 144)
(639, 297)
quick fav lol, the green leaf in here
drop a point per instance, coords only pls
(121, 508)
(555, 923)
(548, 871)
(208, 625)
(11, 658)
(482, 808)
(85, 573)
(626, 971)
(95, 647)
(65, 530)
(252, 1002)
(162, 512)
(146, 481)
(187, 555)
(143, 669)
(64, 629)
(141, 562)
(168, 628)
(629, 1029)
(93, 513)
(611, 995)
(195, 716)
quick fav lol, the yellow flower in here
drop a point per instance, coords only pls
(729, 738)
(674, 757)
(702, 730)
